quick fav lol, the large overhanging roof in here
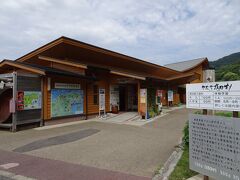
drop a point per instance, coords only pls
(104, 56)
(70, 52)
(41, 70)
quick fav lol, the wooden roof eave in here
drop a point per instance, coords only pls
(62, 61)
(93, 48)
(184, 79)
(122, 73)
(21, 66)
(40, 49)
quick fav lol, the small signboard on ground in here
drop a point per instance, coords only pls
(215, 146)
(170, 95)
(214, 96)
(101, 99)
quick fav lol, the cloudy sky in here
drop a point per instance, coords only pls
(158, 31)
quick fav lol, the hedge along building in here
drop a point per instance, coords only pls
(63, 78)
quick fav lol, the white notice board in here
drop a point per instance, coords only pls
(214, 96)
(101, 99)
(170, 95)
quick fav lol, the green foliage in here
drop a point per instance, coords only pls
(182, 170)
(151, 99)
(231, 59)
(228, 76)
(227, 68)
(186, 135)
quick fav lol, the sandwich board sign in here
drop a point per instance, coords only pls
(214, 145)
(214, 96)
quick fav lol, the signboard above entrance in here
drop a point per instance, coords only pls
(215, 96)
(67, 86)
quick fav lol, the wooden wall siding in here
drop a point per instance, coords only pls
(28, 83)
(92, 108)
(199, 70)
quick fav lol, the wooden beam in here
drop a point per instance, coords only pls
(128, 75)
(62, 61)
(25, 67)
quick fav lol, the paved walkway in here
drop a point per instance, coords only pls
(45, 169)
(126, 149)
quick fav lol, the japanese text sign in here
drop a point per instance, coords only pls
(215, 96)
(215, 146)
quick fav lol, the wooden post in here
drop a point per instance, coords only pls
(235, 114)
(205, 112)
(86, 101)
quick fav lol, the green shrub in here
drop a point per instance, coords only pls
(186, 135)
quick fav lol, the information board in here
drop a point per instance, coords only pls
(215, 96)
(215, 146)
(101, 99)
(143, 95)
(32, 100)
(66, 102)
(158, 96)
(114, 95)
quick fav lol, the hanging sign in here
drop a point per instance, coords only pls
(170, 95)
(215, 96)
(143, 95)
(101, 99)
(214, 144)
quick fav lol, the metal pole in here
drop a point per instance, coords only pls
(146, 104)
(14, 115)
(43, 94)
(205, 112)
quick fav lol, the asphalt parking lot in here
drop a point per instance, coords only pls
(133, 150)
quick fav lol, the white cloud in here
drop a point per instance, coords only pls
(160, 31)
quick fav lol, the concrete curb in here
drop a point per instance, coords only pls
(170, 164)
(5, 175)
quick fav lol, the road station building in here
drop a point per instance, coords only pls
(67, 78)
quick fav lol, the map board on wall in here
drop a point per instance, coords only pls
(32, 100)
(66, 102)
(215, 146)
(29, 100)
(215, 96)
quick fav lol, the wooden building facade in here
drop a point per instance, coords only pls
(66, 64)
